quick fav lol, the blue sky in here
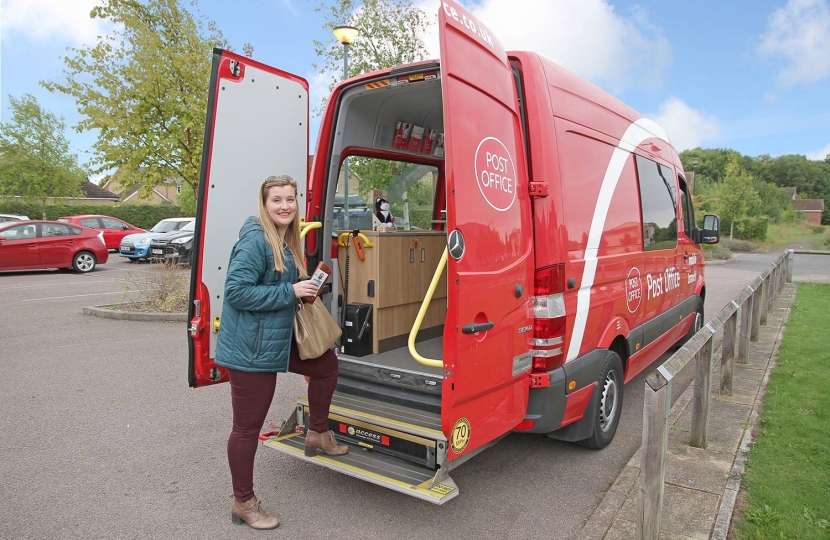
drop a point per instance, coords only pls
(753, 76)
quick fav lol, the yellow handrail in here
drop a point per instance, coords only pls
(345, 243)
(422, 312)
(306, 226)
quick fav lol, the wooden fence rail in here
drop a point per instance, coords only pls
(740, 320)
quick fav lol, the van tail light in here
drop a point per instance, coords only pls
(549, 318)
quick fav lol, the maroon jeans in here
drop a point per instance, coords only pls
(251, 396)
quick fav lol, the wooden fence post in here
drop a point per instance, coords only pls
(656, 405)
(700, 401)
(727, 360)
(746, 324)
(764, 300)
(757, 300)
(790, 258)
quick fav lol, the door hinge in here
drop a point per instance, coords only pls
(540, 380)
(538, 189)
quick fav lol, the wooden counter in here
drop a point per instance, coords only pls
(400, 267)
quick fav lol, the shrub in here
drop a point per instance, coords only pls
(164, 291)
(736, 245)
(716, 252)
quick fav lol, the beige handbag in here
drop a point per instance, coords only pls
(315, 331)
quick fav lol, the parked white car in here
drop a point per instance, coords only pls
(13, 217)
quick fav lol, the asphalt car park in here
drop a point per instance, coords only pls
(102, 438)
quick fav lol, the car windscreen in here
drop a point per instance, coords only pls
(165, 226)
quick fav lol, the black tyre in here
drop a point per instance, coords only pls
(609, 396)
(696, 325)
(84, 262)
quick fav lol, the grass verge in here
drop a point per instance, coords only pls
(801, 234)
(788, 468)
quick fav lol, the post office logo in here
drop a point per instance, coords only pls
(496, 174)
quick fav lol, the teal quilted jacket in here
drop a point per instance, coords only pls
(256, 327)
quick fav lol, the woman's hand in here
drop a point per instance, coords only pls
(304, 288)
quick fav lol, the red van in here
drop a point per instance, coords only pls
(544, 248)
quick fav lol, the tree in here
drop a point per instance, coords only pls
(144, 88)
(736, 197)
(35, 160)
(391, 33)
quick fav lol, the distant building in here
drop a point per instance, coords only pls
(811, 209)
(165, 193)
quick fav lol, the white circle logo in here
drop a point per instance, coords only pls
(633, 290)
(495, 174)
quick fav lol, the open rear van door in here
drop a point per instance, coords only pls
(489, 330)
(257, 126)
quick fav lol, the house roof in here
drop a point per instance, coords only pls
(809, 205)
(93, 191)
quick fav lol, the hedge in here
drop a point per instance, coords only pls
(140, 215)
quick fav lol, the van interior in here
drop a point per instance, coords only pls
(383, 291)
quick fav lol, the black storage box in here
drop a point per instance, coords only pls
(358, 330)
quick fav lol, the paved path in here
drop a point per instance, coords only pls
(701, 486)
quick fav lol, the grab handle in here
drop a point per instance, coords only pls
(474, 328)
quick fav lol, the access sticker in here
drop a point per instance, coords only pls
(442, 489)
(496, 174)
(460, 435)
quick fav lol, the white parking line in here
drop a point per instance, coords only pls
(55, 284)
(75, 296)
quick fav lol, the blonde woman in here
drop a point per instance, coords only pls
(266, 275)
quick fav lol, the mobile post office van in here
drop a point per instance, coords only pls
(544, 252)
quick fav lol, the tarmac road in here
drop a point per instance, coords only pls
(102, 438)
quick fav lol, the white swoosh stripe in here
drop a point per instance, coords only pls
(636, 133)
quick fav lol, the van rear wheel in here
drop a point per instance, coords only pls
(608, 409)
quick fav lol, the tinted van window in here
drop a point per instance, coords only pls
(657, 200)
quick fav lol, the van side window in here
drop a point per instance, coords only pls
(657, 200)
(686, 205)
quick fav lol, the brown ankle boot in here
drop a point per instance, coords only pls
(251, 512)
(314, 442)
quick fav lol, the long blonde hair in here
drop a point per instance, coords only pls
(292, 233)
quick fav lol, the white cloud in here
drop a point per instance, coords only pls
(800, 33)
(820, 154)
(687, 127)
(588, 37)
(46, 20)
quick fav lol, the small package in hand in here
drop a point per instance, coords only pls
(318, 277)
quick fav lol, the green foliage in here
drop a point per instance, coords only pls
(752, 228)
(811, 178)
(144, 88)
(140, 215)
(187, 201)
(37, 163)
(391, 33)
(788, 467)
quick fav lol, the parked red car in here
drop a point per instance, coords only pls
(114, 229)
(32, 245)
